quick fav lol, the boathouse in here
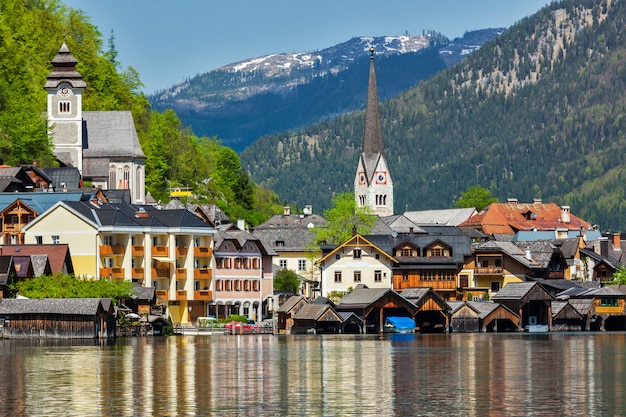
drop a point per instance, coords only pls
(50, 318)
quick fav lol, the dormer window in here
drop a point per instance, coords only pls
(356, 253)
(280, 243)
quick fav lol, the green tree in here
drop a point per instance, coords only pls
(619, 276)
(342, 218)
(475, 196)
(287, 280)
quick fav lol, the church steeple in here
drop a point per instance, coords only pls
(65, 86)
(373, 137)
(373, 186)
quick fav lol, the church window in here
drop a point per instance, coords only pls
(138, 182)
(64, 107)
(125, 182)
(112, 176)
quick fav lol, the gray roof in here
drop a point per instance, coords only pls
(582, 305)
(38, 201)
(230, 232)
(486, 307)
(401, 224)
(110, 134)
(65, 306)
(362, 295)
(312, 312)
(540, 251)
(508, 248)
(447, 217)
(285, 240)
(291, 303)
(143, 293)
(514, 290)
(68, 176)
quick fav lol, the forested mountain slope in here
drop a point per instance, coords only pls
(539, 112)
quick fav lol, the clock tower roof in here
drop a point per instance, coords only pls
(64, 70)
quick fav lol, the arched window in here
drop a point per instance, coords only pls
(126, 178)
(138, 182)
(112, 177)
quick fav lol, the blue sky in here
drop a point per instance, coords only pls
(170, 40)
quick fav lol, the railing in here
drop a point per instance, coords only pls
(114, 272)
(492, 270)
(12, 227)
(112, 250)
(181, 273)
(162, 251)
(202, 251)
(202, 295)
(181, 294)
(137, 250)
(202, 273)
(160, 273)
(181, 251)
(162, 294)
(438, 284)
(138, 273)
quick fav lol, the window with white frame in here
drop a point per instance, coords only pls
(301, 264)
(282, 263)
(55, 239)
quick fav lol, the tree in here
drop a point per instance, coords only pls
(342, 218)
(286, 280)
(475, 196)
(619, 276)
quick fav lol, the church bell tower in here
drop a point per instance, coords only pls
(373, 186)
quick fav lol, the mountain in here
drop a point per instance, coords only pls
(301, 89)
(538, 112)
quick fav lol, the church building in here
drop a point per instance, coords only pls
(373, 186)
(102, 145)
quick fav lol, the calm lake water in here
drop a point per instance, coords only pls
(263, 375)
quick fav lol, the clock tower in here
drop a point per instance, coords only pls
(373, 186)
(65, 115)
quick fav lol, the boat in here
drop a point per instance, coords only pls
(397, 324)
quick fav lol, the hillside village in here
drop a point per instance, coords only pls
(513, 266)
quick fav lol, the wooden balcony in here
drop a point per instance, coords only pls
(202, 251)
(12, 227)
(160, 273)
(112, 250)
(181, 251)
(162, 251)
(138, 273)
(114, 272)
(162, 294)
(202, 295)
(491, 270)
(181, 294)
(181, 273)
(610, 310)
(137, 250)
(202, 273)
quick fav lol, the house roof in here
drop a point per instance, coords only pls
(232, 233)
(39, 202)
(63, 306)
(518, 291)
(6, 268)
(316, 311)
(57, 255)
(445, 217)
(508, 248)
(68, 176)
(363, 296)
(508, 218)
(291, 302)
(359, 241)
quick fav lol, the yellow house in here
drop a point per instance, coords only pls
(169, 250)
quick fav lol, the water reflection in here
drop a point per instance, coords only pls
(457, 374)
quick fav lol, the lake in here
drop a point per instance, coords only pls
(520, 374)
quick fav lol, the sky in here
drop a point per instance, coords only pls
(168, 41)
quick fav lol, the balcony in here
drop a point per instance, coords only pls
(12, 227)
(202, 273)
(202, 251)
(619, 310)
(490, 270)
(114, 272)
(181, 273)
(181, 294)
(115, 250)
(138, 273)
(137, 250)
(162, 251)
(162, 294)
(160, 273)
(181, 251)
(202, 295)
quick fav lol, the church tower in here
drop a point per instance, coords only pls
(65, 114)
(373, 186)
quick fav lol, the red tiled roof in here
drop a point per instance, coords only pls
(56, 253)
(508, 218)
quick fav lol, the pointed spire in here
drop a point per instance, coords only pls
(64, 70)
(373, 137)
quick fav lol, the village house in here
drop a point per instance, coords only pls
(290, 236)
(243, 274)
(170, 250)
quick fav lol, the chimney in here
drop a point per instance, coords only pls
(596, 247)
(308, 210)
(536, 201)
(529, 255)
(565, 214)
(241, 224)
(286, 211)
(34, 162)
(512, 200)
(617, 244)
(604, 247)
(353, 230)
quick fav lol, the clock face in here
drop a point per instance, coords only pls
(381, 177)
(65, 92)
(361, 178)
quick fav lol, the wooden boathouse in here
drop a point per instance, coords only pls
(50, 318)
